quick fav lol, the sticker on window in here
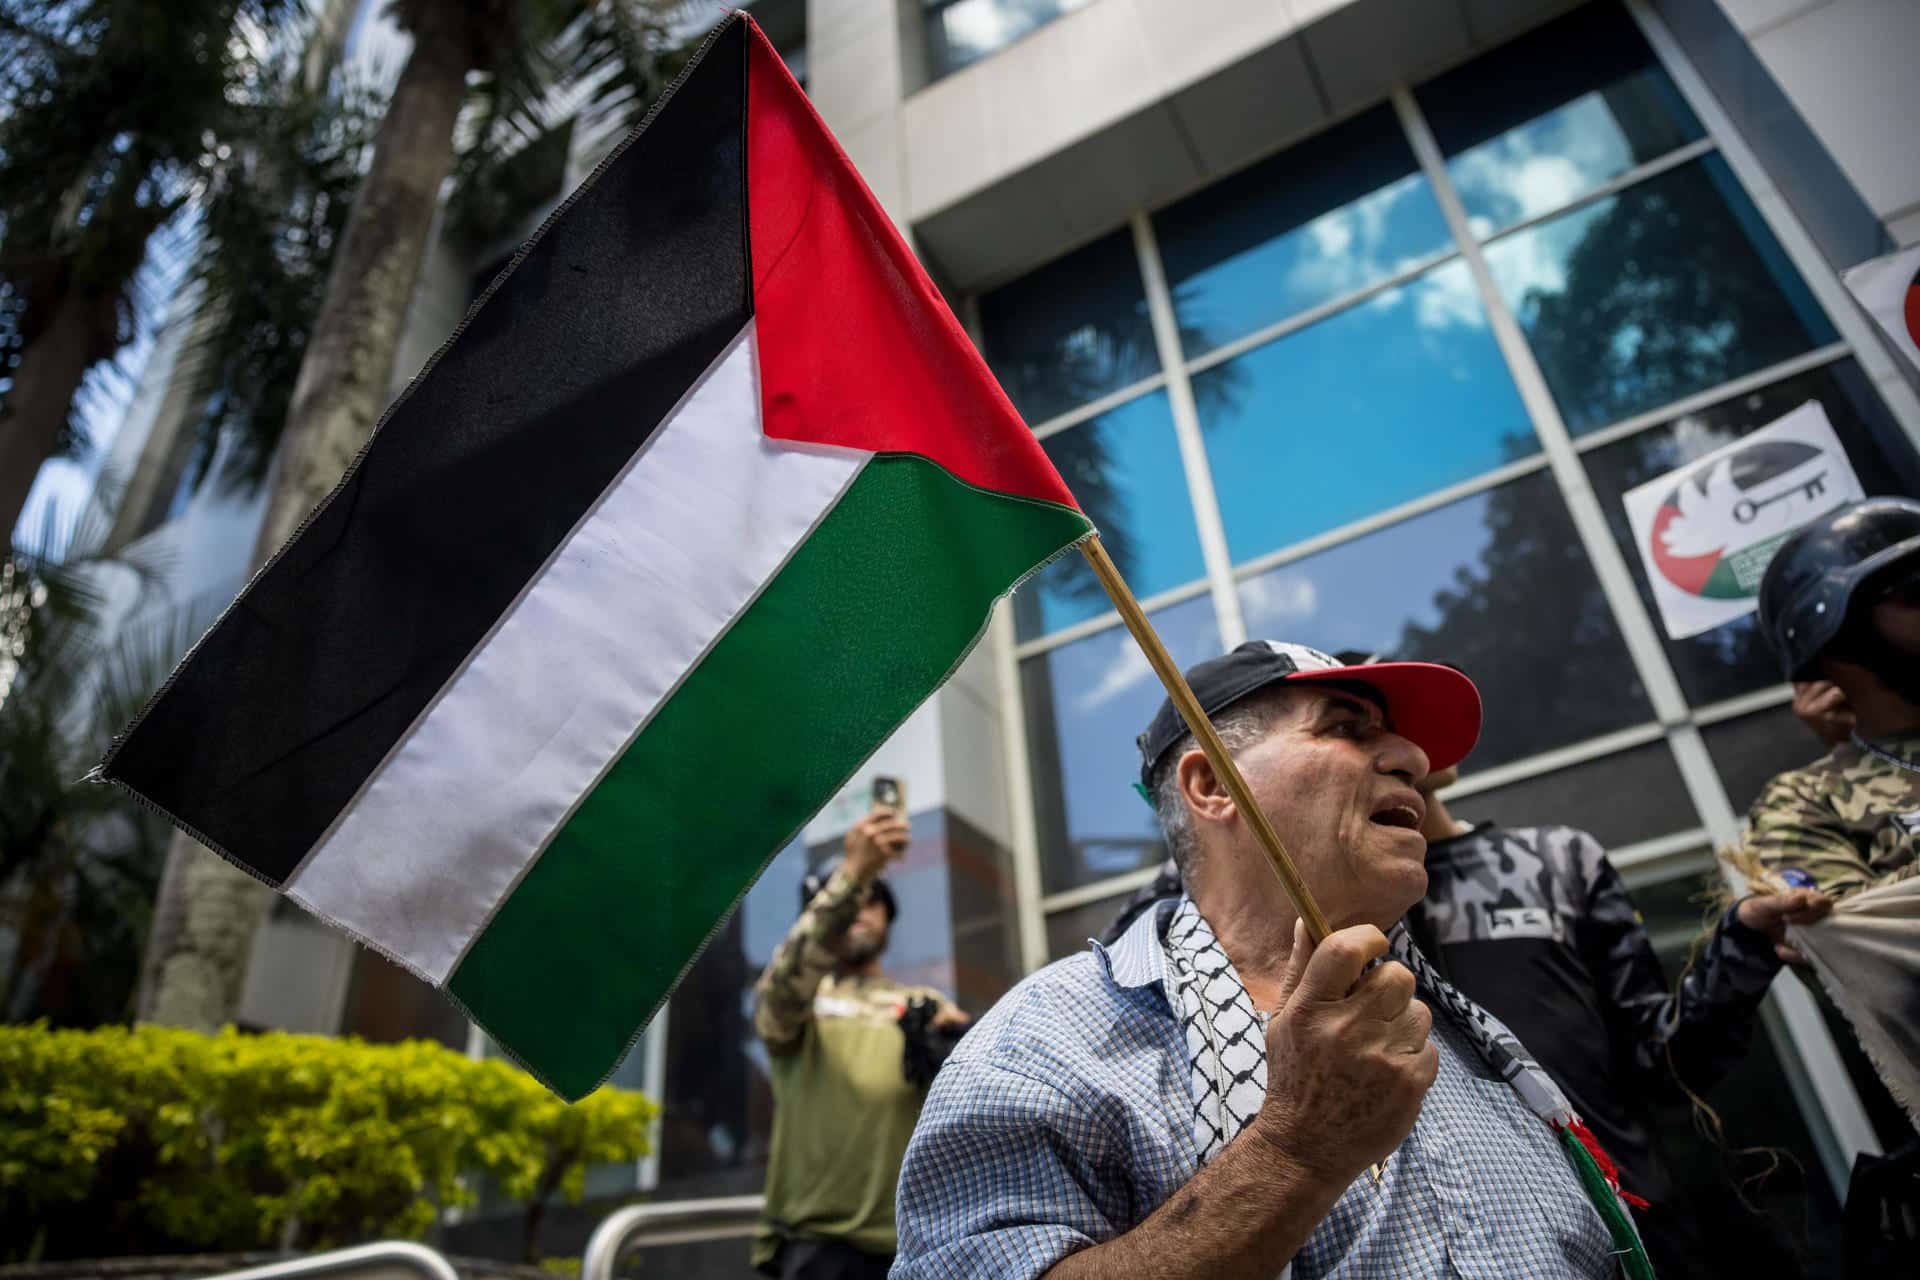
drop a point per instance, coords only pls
(1706, 531)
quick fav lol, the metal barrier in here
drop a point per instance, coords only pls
(380, 1256)
(668, 1222)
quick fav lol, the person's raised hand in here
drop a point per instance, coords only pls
(1348, 1059)
(874, 841)
(1771, 913)
(1823, 708)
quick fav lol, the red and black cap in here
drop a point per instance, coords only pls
(1435, 707)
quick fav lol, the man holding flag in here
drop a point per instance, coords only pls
(1205, 1097)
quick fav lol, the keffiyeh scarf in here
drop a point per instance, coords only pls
(1226, 1047)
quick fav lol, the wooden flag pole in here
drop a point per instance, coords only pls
(1202, 729)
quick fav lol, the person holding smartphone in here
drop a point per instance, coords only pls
(845, 1092)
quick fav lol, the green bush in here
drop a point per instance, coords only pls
(121, 1140)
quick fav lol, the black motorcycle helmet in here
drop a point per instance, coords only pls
(815, 881)
(1810, 583)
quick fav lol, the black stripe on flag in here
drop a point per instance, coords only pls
(474, 478)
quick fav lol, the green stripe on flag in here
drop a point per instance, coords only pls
(868, 617)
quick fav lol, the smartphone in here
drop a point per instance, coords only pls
(890, 793)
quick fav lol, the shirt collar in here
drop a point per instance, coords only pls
(1139, 958)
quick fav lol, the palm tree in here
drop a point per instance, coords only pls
(114, 114)
(497, 64)
(78, 862)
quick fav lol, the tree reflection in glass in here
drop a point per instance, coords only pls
(1671, 287)
(1124, 469)
(1581, 101)
(1072, 331)
(1085, 703)
(1496, 584)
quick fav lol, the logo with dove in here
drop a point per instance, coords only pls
(1716, 530)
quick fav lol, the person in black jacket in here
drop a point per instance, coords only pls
(1535, 924)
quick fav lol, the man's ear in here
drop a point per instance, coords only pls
(1207, 797)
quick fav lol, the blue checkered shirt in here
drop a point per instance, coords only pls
(1064, 1119)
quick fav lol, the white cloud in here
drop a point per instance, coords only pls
(1545, 164)
(1446, 299)
(1127, 668)
(1280, 598)
(1347, 248)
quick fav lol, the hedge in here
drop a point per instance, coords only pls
(143, 1139)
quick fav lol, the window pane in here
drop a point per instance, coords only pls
(1580, 102)
(1073, 331)
(1086, 702)
(1588, 796)
(1310, 225)
(1124, 467)
(1496, 584)
(1391, 399)
(1733, 659)
(962, 32)
(1670, 287)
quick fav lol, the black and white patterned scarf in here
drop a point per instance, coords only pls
(1227, 1043)
(1227, 1064)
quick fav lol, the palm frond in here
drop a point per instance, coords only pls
(566, 73)
(271, 219)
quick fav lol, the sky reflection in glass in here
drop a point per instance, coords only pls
(1072, 331)
(1124, 469)
(1312, 224)
(1086, 702)
(1581, 102)
(1393, 398)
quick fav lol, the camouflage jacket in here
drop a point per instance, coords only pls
(845, 1108)
(1535, 924)
(1850, 819)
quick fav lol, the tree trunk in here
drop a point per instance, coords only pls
(348, 368)
(51, 368)
(201, 975)
(169, 918)
(338, 396)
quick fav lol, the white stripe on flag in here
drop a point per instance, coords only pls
(680, 544)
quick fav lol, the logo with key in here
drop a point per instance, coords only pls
(1719, 526)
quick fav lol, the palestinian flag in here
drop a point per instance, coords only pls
(707, 494)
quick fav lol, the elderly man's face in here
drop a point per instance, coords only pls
(1338, 786)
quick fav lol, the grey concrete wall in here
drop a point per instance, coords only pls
(1852, 70)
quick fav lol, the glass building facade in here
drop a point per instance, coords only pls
(1406, 371)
